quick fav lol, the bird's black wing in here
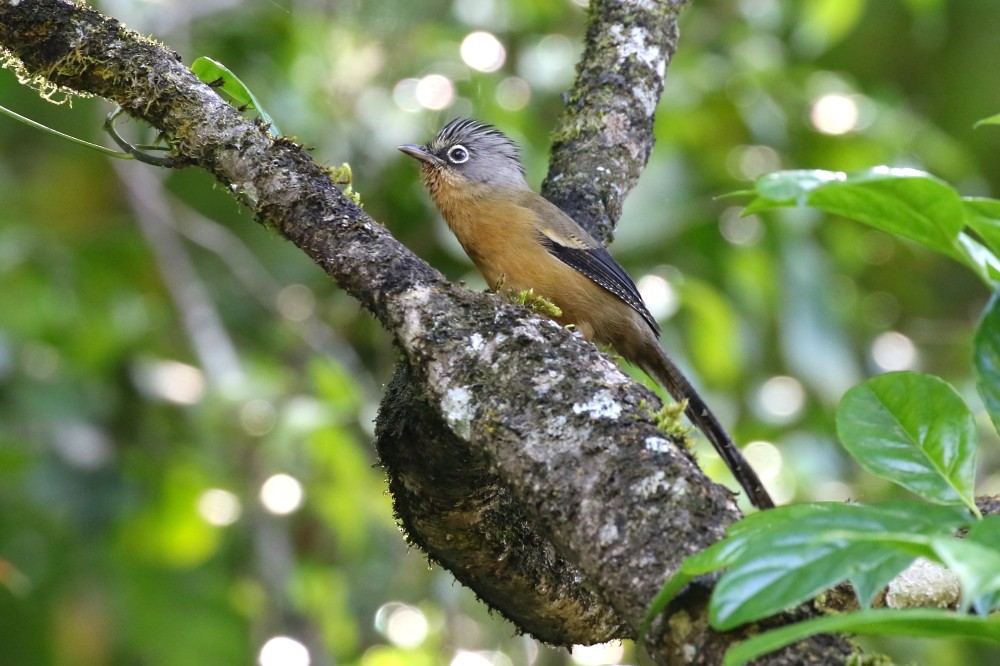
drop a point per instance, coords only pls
(597, 264)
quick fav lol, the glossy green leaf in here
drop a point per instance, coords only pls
(982, 215)
(921, 623)
(975, 560)
(796, 567)
(976, 565)
(215, 73)
(790, 188)
(779, 558)
(724, 553)
(981, 259)
(914, 430)
(986, 532)
(904, 202)
(806, 549)
(876, 574)
(986, 359)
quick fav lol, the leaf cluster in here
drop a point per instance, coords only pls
(912, 429)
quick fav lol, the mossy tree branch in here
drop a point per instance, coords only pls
(605, 135)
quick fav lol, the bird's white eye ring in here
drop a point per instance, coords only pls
(458, 154)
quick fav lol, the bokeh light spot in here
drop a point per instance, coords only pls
(596, 655)
(894, 351)
(39, 360)
(880, 309)
(296, 302)
(172, 381)
(219, 507)
(660, 296)
(434, 92)
(405, 626)
(740, 230)
(513, 93)
(281, 494)
(481, 50)
(781, 398)
(477, 12)
(83, 445)
(548, 63)
(830, 491)
(467, 658)
(877, 248)
(257, 417)
(404, 94)
(834, 114)
(283, 651)
(752, 162)
(764, 457)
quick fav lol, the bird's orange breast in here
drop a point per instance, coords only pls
(502, 239)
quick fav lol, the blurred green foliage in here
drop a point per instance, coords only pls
(121, 405)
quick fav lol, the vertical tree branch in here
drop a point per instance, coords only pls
(605, 135)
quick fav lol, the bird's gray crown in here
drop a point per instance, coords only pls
(491, 153)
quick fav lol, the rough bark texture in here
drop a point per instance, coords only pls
(605, 135)
(552, 441)
(457, 510)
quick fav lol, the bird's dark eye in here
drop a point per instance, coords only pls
(458, 154)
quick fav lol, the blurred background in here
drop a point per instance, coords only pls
(186, 402)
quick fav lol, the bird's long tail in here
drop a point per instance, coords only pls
(655, 362)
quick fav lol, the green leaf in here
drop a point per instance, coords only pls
(717, 556)
(980, 258)
(211, 72)
(795, 568)
(721, 554)
(991, 120)
(876, 574)
(808, 548)
(986, 358)
(976, 565)
(986, 532)
(975, 560)
(982, 215)
(914, 430)
(905, 202)
(779, 558)
(790, 188)
(922, 623)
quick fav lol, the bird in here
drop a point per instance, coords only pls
(520, 241)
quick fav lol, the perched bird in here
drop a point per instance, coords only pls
(519, 240)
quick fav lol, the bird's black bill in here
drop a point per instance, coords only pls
(421, 153)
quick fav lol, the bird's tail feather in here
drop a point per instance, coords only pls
(655, 362)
